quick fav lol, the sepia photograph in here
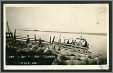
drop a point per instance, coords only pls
(56, 36)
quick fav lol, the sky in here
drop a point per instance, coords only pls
(91, 18)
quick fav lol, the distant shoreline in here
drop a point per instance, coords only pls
(87, 33)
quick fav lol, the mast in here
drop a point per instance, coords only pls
(53, 39)
(50, 39)
(35, 37)
(8, 27)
